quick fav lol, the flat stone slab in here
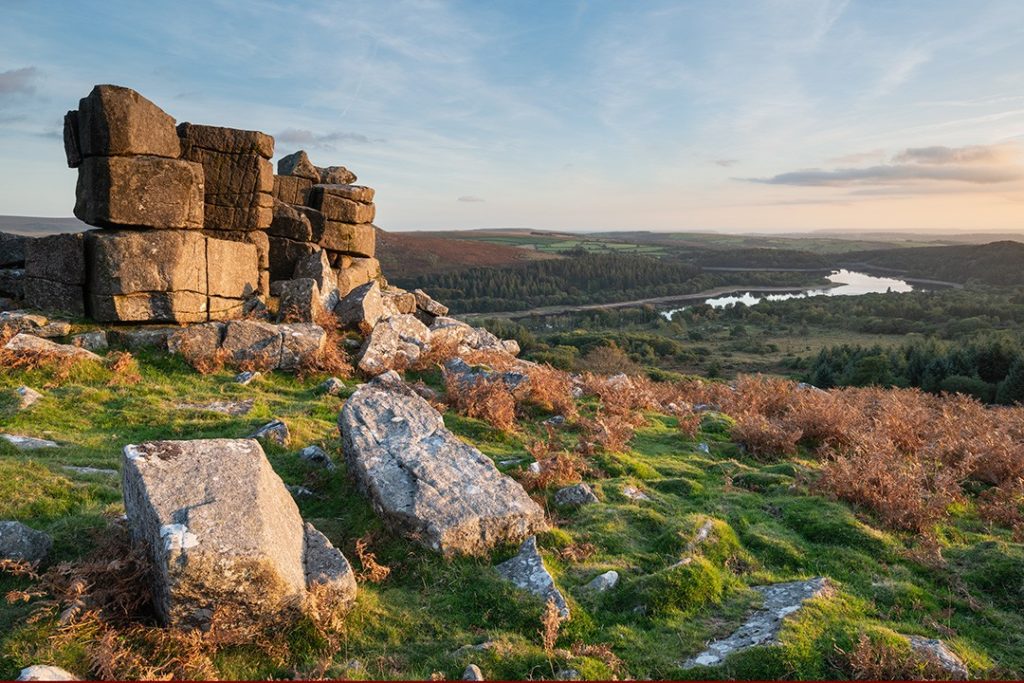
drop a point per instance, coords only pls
(938, 653)
(762, 627)
(28, 443)
(45, 672)
(27, 343)
(426, 482)
(527, 571)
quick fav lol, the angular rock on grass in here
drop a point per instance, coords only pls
(603, 582)
(300, 300)
(332, 386)
(45, 672)
(575, 496)
(224, 533)
(27, 396)
(30, 344)
(20, 542)
(762, 627)
(423, 480)
(527, 571)
(28, 443)
(315, 455)
(472, 673)
(276, 431)
(938, 653)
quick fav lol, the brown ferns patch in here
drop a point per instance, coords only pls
(484, 398)
(764, 438)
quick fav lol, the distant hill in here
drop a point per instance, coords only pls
(40, 225)
(415, 254)
(997, 263)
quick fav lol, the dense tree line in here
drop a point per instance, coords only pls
(583, 279)
(997, 263)
(992, 371)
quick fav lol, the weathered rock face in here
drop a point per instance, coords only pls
(55, 273)
(349, 238)
(292, 189)
(117, 121)
(427, 305)
(298, 164)
(394, 344)
(19, 542)
(225, 140)
(269, 346)
(300, 301)
(362, 308)
(527, 571)
(336, 175)
(426, 482)
(317, 267)
(353, 272)
(762, 627)
(234, 541)
(12, 249)
(148, 191)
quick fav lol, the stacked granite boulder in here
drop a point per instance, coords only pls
(150, 261)
(321, 209)
(238, 181)
(12, 265)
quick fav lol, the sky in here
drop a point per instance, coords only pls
(737, 115)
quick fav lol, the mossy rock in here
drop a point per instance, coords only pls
(773, 547)
(761, 480)
(684, 587)
(996, 569)
(714, 422)
(828, 523)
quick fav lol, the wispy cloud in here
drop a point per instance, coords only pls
(18, 81)
(470, 199)
(977, 165)
(301, 136)
(725, 163)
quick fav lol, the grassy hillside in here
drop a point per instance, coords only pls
(774, 516)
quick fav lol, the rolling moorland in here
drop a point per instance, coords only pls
(709, 483)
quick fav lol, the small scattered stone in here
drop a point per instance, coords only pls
(527, 571)
(633, 493)
(937, 652)
(276, 431)
(244, 378)
(317, 456)
(575, 496)
(507, 463)
(534, 467)
(604, 582)
(20, 542)
(567, 675)
(28, 443)
(472, 673)
(45, 672)
(704, 448)
(555, 421)
(479, 647)
(27, 397)
(332, 386)
(91, 341)
(300, 491)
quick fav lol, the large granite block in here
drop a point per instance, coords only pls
(117, 121)
(145, 191)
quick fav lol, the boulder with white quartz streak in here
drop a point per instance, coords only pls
(223, 533)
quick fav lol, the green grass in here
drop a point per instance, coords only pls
(767, 526)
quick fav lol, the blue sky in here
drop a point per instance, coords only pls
(785, 115)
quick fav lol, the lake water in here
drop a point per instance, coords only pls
(848, 283)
